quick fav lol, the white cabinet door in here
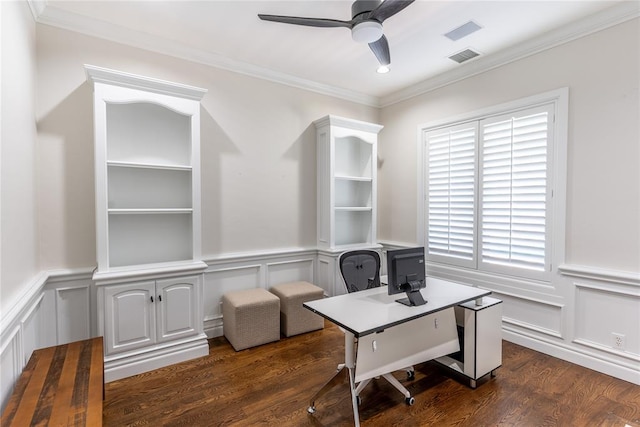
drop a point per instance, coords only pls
(129, 316)
(177, 308)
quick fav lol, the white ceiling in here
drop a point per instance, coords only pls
(228, 34)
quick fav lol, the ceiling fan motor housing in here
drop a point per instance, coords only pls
(365, 31)
(363, 6)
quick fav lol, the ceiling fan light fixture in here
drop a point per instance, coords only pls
(366, 32)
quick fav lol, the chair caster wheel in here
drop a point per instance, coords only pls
(311, 409)
(358, 400)
(411, 375)
(410, 401)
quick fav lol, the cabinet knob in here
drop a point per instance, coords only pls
(151, 298)
(160, 298)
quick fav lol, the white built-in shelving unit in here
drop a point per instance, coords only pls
(147, 172)
(347, 187)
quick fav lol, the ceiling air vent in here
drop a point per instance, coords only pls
(463, 56)
(462, 31)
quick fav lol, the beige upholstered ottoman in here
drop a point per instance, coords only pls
(250, 317)
(294, 318)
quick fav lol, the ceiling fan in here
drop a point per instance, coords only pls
(366, 21)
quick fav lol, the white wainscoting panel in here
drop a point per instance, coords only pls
(324, 274)
(328, 275)
(605, 310)
(11, 364)
(73, 313)
(290, 271)
(537, 316)
(217, 281)
(31, 327)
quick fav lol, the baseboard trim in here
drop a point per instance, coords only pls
(213, 327)
(116, 367)
(214, 332)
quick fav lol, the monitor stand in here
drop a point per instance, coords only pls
(414, 298)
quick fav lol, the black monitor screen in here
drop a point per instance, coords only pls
(406, 271)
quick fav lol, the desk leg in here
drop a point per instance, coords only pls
(350, 363)
(349, 357)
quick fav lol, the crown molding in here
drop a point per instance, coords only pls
(332, 120)
(105, 75)
(45, 13)
(609, 17)
(37, 8)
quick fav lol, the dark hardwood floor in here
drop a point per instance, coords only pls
(271, 385)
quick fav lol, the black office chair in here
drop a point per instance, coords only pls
(360, 270)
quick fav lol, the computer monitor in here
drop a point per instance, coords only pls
(406, 273)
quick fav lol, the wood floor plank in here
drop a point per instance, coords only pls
(38, 379)
(271, 385)
(64, 391)
(96, 383)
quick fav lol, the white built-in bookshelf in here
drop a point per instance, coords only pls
(147, 171)
(147, 183)
(347, 187)
(347, 156)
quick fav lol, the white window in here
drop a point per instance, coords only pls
(489, 186)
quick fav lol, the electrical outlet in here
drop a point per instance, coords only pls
(619, 341)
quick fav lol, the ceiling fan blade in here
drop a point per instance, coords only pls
(388, 8)
(380, 49)
(309, 22)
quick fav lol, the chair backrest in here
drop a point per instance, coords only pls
(360, 269)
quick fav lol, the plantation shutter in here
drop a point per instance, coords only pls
(514, 189)
(451, 166)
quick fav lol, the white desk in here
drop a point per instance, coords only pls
(391, 335)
